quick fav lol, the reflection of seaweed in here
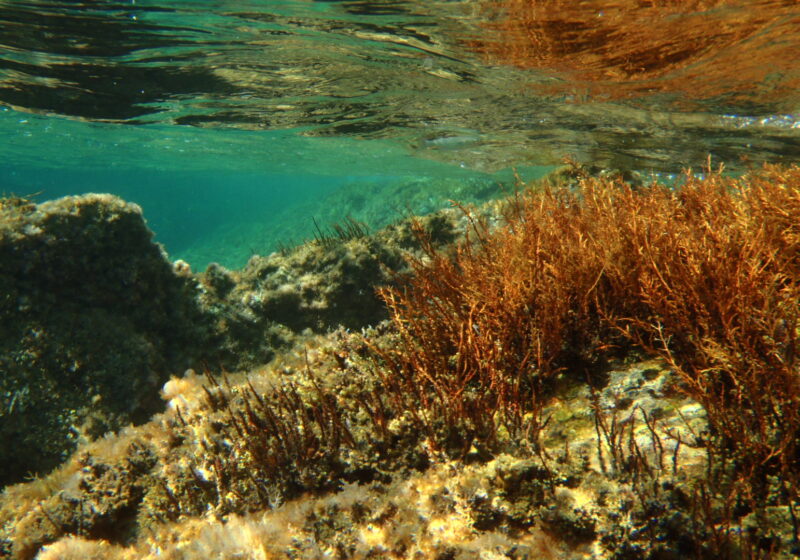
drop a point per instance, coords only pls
(619, 48)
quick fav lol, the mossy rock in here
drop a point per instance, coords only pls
(94, 320)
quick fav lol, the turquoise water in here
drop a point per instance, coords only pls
(234, 123)
(211, 195)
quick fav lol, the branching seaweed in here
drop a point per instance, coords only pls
(337, 233)
(706, 276)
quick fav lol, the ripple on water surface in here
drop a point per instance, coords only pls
(621, 83)
(145, 97)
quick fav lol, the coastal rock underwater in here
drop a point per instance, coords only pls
(588, 369)
(94, 318)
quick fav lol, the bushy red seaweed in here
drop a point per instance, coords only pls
(705, 275)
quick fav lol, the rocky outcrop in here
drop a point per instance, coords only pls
(93, 319)
(331, 282)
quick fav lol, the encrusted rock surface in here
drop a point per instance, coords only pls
(186, 486)
(92, 321)
(94, 318)
(326, 283)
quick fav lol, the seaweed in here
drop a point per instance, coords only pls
(706, 276)
(342, 232)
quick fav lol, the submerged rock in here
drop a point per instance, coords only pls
(92, 321)
(331, 282)
(333, 450)
(189, 485)
(94, 318)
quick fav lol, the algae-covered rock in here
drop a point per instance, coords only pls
(328, 451)
(318, 286)
(195, 482)
(94, 318)
(92, 321)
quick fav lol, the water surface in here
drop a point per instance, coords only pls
(224, 118)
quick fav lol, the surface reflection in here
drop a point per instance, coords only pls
(696, 53)
(481, 84)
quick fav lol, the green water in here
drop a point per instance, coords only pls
(234, 124)
(224, 195)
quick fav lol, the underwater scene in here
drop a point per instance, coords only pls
(402, 279)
